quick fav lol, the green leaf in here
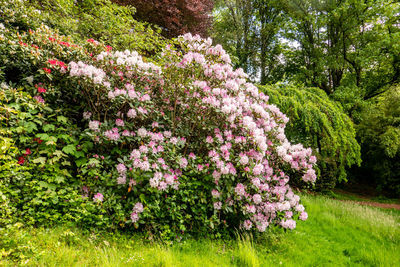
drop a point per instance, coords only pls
(58, 153)
(59, 179)
(79, 154)
(43, 184)
(49, 127)
(43, 136)
(69, 149)
(41, 160)
(30, 127)
(62, 119)
(79, 162)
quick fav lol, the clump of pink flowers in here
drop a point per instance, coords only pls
(194, 113)
(98, 197)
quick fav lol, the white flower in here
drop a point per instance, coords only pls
(4, 85)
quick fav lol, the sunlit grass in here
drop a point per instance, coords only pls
(336, 234)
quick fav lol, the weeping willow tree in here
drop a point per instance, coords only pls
(318, 122)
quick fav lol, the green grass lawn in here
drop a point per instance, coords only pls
(336, 234)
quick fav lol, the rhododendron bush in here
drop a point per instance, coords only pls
(192, 115)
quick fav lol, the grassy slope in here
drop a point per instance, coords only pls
(336, 234)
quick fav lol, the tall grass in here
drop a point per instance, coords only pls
(336, 234)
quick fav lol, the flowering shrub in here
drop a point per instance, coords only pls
(193, 115)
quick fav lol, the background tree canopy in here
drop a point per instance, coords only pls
(318, 122)
(349, 49)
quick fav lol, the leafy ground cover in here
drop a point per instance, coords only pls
(337, 234)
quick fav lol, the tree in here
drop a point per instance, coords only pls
(379, 133)
(249, 31)
(270, 19)
(344, 43)
(175, 17)
(321, 123)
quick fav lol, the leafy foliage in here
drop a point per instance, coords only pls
(379, 132)
(96, 19)
(37, 176)
(320, 123)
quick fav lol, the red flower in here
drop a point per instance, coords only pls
(42, 90)
(38, 140)
(47, 70)
(28, 151)
(64, 43)
(21, 160)
(55, 62)
(108, 48)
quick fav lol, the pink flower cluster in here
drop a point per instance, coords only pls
(98, 197)
(137, 209)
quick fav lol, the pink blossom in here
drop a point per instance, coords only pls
(134, 217)
(138, 208)
(143, 149)
(142, 132)
(215, 193)
(303, 216)
(131, 113)
(244, 160)
(94, 125)
(257, 198)
(217, 205)
(247, 224)
(121, 168)
(126, 133)
(121, 180)
(174, 140)
(289, 224)
(87, 115)
(250, 208)
(183, 163)
(135, 154)
(240, 189)
(98, 197)
(258, 169)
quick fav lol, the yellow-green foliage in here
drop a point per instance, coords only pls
(319, 122)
